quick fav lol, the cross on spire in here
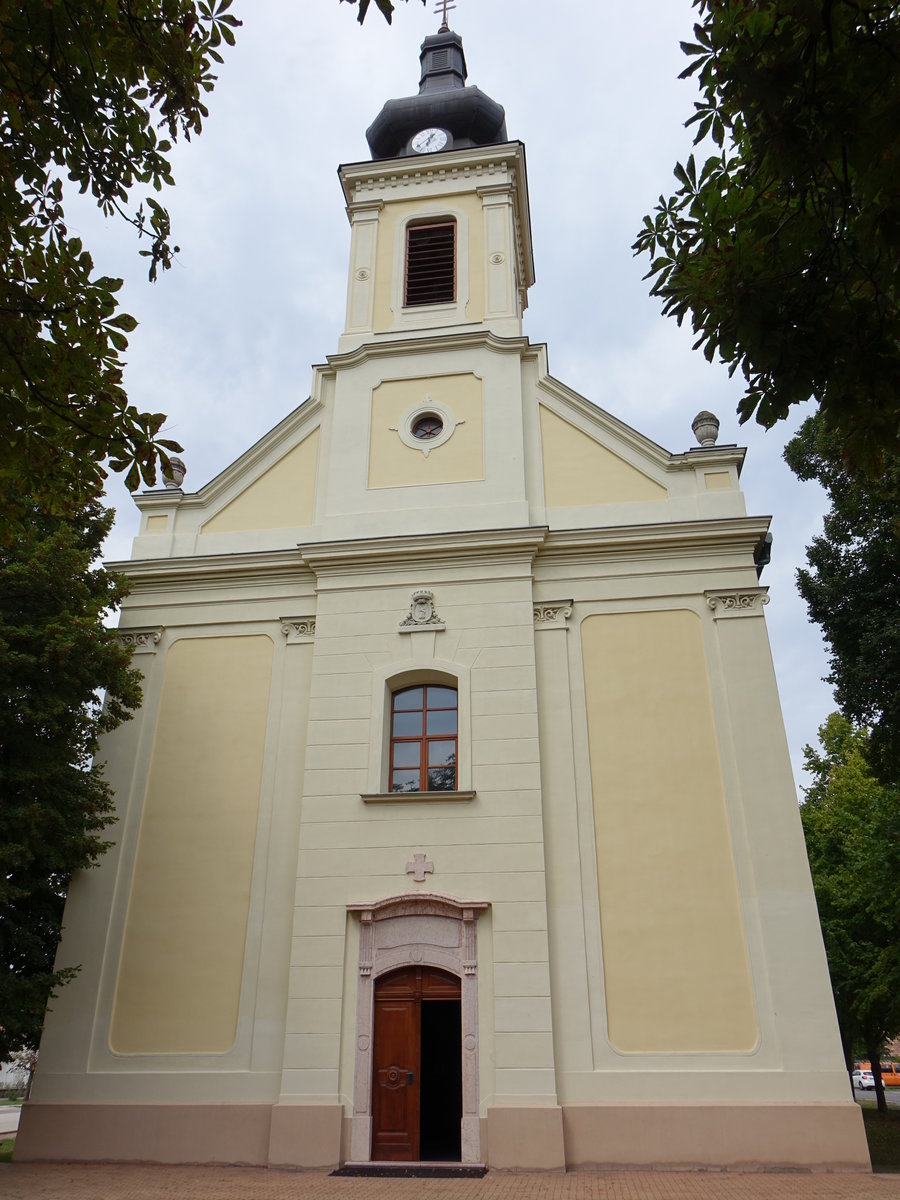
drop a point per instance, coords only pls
(442, 7)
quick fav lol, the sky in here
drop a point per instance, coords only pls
(227, 338)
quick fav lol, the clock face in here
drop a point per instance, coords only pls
(427, 141)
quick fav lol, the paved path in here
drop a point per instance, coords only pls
(9, 1119)
(37, 1181)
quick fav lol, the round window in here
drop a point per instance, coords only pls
(428, 426)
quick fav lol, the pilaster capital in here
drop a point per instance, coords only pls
(142, 641)
(298, 629)
(552, 614)
(737, 602)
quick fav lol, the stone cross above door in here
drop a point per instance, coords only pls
(419, 868)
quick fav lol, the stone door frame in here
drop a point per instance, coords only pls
(418, 937)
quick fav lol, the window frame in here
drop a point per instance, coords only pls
(429, 224)
(429, 316)
(392, 677)
(423, 740)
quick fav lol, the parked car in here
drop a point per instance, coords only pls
(890, 1072)
(863, 1079)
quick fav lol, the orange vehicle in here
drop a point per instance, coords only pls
(890, 1073)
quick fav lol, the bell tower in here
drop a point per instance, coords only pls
(441, 236)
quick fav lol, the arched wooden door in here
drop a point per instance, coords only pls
(417, 1067)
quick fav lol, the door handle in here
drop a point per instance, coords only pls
(410, 1077)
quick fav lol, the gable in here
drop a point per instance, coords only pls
(579, 471)
(281, 498)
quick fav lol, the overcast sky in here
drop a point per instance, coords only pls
(228, 336)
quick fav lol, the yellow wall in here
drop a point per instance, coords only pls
(578, 470)
(282, 497)
(391, 217)
(461, 458)
(674, 954)
(717, 481)
(179, 978)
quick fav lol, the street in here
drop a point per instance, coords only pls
(891, 1095)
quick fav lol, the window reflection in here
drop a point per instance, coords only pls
(423, 739)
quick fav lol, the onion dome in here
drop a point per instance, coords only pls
(445, 115)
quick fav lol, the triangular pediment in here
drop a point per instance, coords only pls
(271, 486)
(590, 458)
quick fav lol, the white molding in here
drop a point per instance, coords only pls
(708, 538)
(423, 408)
(467, 546)
(141, 640)
(425, 316)
(298, 630)
(727, 603)
(263, 454)
(414, 797)
(214, 570)
(552, 614)
(407, 672)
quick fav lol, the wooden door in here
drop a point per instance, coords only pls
(395, 1069)
(396, 1058)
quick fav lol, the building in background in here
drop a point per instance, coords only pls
(457, 823)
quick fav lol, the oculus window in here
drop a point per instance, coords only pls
(424, 739)
(430, 264)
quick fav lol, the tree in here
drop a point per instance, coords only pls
(84, 89)
(784, 245)
(385, 7)
(56, 657)
(852, 585)
(852, 828)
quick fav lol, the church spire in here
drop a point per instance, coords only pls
(463, 116)
(442, 7)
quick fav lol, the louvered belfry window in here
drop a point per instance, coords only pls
(430, 264)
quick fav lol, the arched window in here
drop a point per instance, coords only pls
(423, 739)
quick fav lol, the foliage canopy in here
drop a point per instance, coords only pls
(86, 89)
(783, 246)
(385, 7)
(56, 656)
(852, 585)
(852, 826)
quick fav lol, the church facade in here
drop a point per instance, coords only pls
(457, 823)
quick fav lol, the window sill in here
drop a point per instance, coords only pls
(413, 797)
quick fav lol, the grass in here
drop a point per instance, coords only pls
(6, 1149)
(883, 1135)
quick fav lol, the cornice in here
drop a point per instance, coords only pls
(710, 456)
(426, 344)
(704, 537)
(473, 162)
(469, 547)
(214, 570)
(165, 498)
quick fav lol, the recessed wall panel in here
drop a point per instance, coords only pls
(674, 953)
(179, 980)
